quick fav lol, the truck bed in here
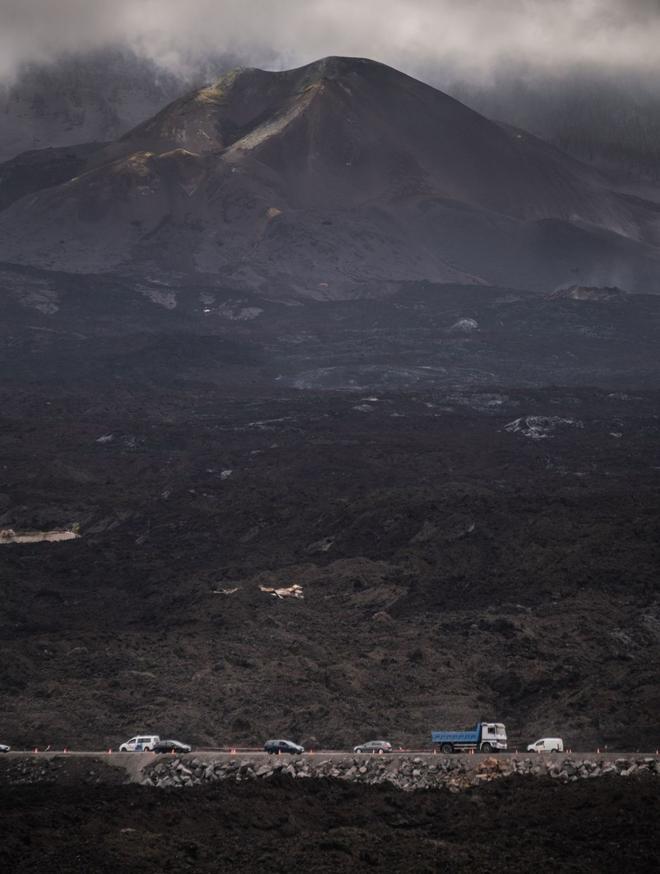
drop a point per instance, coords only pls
(456, 737)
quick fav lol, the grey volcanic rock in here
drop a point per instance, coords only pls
(540, 427)
(596, 294)
(464, 326)
(401, 772)
(332, 181)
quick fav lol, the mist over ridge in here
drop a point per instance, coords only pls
(474, 37)
(579, 73)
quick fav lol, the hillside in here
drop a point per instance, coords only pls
(325, 180)
(607, 117)
(468, 540)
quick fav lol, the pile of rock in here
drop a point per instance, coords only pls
(406, 772)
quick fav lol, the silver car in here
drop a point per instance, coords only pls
(4, 748)
(374, 746)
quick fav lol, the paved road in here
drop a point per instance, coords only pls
(244, 751)
(133, 764)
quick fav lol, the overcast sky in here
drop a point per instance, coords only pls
(410, 34)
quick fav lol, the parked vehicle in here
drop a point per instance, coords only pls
(141, 743)
(4, 748)
(374, 746)
(283, 746)
(486, 737)
(547, 745)
(171, 746)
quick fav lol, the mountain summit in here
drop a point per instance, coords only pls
(327, 179)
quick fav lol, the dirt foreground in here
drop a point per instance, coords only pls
(285, 825)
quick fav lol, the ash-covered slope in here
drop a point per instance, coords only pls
(329, 178)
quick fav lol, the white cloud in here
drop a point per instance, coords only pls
(412, 34)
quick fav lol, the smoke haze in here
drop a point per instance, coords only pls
(474, 36)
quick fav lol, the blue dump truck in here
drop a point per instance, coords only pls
(485, 737)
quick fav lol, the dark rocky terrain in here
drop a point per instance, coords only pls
(471, 539)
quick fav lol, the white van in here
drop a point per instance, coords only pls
(142, 743)
(547, 745)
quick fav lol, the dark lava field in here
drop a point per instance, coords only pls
(463, 481)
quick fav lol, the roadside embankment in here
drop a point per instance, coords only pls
(403, 771)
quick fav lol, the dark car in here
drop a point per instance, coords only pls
(374, 746)
(171, 746)
(283, 746)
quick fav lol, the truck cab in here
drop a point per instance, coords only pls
(493, 737)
